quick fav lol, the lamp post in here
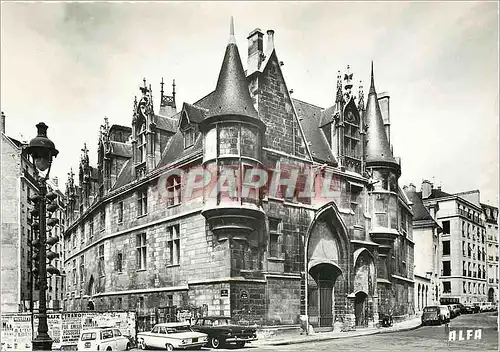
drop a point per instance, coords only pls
(42, 149)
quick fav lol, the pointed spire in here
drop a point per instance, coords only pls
(338, 97)
(378, 149)
(372, 83)
(232, 39)
(361, 96)
(231, 95)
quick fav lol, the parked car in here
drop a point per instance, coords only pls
(103, 339)
(171, 335)
(223, 330)
(463, 309)
(486, 307)
(431, 315)
(469, 308)
(476, 307)
(454, 310)
(445, 313)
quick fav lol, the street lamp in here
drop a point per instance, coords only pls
(42, 149)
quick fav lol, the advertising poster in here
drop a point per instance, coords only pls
(54, 325)
(16, 332)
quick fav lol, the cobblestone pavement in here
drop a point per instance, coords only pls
(427, 338)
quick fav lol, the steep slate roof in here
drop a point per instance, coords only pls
(232, 96)
(195, 114)
(420, 212)
(309, 115)
(166, 123)
(125, 175)
(327, 116)
(120, 149)
(437, 193)
(175, 149)
(378, 149)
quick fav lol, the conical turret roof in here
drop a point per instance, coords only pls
(231, 96)
(378, 149)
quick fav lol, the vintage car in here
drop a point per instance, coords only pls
(103, 339)
(431, 315)
(223, 330)
(168, 336)
(444, 311)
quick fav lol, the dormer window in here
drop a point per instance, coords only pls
(141, 145)
(189, 137)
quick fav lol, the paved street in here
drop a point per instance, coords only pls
(427, 338)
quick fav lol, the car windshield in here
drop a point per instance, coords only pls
(86, 336)
(176, 329)
(430, 309)
(223, 321)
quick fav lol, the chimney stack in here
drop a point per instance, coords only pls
(270, 41)
(255, 50)
(3, 122)
(426, 189)
(412, 188)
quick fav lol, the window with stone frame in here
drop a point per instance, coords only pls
(74, 240)
(142, 202)
(82, 269)
(355, 191)
(100, 263)
(189, 137)
(173, 245)
(446, 287)
(75, 278)
(119, 262)
(102, 217)
(173, 190)
(82, 234)
(141, 251)
(142, 145)
(275, 237)
(91, 227)
(120, 212)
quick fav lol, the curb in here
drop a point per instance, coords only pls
(326, 338)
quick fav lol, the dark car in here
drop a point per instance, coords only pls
(469, 308)
(432, 315)
(223, 330)
(463, 309)
(476, 307)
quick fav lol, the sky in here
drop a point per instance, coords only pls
(71, 64)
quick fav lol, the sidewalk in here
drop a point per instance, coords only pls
(324, 336)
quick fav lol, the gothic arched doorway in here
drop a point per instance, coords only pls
(491, 295)
(360, 309)
(326, 261)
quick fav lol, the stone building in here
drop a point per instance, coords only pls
(462, 243)
(491, 216)
(141, 236)
(18, 185)
(426, 237)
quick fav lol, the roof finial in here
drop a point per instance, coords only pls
(338, 97)
(372, 84)
(361, 96)
(173, 88)
(232, 40)
(161, 84)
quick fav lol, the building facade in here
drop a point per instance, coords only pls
(491, 216)
(19, 291)
(148, 230)
(426, 237)
(462, 243)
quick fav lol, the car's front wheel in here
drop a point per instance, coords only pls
(169, 347)
(142, 345)
(240, 344)
(215, 342)
(128, 346)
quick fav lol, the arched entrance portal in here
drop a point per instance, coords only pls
(491, 295)
(361, 308)
(321, 294)
(327, 260)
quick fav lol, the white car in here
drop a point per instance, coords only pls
(103, 339)
(171, 335)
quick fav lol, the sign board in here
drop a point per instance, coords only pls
(243, 295)
(224, 293)
(64, 328)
